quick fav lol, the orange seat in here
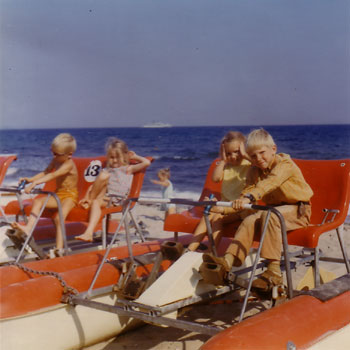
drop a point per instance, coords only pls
(5, 162)
(330, 181)
(188, 220)
(88, 170)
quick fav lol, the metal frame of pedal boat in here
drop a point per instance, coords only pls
(155, 314)
(48, 194)
(29, 238)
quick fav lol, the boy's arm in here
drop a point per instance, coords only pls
(39, 175)
(142, 163)
(33, 178)
(63, 170)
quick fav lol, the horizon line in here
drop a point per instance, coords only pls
(173, 126)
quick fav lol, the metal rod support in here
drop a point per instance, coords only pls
(160, 320)
(127, 203)
(257, 258)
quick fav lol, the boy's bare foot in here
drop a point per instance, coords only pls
(20, 227)
(84, 237)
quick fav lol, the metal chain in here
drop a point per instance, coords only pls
(66, 288)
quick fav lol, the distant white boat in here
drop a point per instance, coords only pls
(157, 125)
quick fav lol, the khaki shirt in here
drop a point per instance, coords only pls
(282, 183)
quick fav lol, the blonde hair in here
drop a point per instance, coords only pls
(165, 172)
(114, 144)
(65, 142)
(259, 138)
(233, 136)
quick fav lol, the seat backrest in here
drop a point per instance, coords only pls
(137, 181)
(330, 181)
(5, 162)
(211, 187)
(88, 170)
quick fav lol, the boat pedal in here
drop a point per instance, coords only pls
(172, 250)
(16, 236)
(129, 285)
(279, 295)
(276, 294)
(212, 273)
(133, 288)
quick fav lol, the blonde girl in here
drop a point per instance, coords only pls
(231, 169)
(114, 180)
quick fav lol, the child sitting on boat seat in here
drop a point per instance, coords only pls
(115, 180)
(62, 169)
(277, 181)
(231, 170)
(167, 189)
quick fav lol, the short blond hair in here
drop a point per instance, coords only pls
(64, 142)
(259, 138)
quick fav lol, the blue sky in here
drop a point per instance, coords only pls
(114, 63)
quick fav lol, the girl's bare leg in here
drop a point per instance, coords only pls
(95, 214)
(217, 226)
(99, 187)
(199, 233)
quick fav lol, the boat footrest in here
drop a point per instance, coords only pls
(213, 273)
(172, 250)
(18, 238)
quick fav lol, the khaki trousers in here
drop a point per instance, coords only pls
(253, 224)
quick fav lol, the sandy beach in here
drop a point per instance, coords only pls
(221, 313)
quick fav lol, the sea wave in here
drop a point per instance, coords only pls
(12, 171)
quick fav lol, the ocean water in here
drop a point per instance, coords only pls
(188, 151)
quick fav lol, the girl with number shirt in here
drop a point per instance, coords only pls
(114, 180)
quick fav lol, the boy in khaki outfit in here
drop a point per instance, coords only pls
(277, 181)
